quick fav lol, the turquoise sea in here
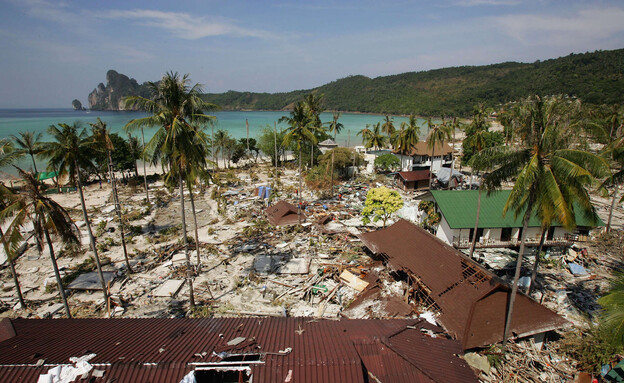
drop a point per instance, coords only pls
(13, 121)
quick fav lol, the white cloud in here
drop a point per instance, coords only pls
(184, 25)
(585, 27)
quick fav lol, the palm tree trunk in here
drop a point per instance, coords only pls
(56, 272)
(118, 209)
(299, 191)
(186, 252)
(474, 233)
(332, 175)
(612, 207)
(536, 262)
(18, 289)
(311, 155)
(431, 167)
(514, 287)
(91, 237)
(195, 221)
(144, 171)
(34, 164)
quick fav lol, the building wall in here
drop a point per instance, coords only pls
(444, 231)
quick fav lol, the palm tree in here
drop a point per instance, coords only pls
(373, 138)
(550, 176)
(439, 134)
(48, 217)
(221, 139)
(313, 107)
(404, 139)
(612, 315)
(388, 126)
(298, 132)
(69, 153)
(29, 143)
(334, 125)
(102, 139)
(178, 111)
(11, 238)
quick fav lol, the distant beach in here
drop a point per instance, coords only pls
(13, 121)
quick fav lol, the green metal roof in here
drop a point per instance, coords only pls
(45, 175)
(459, 207)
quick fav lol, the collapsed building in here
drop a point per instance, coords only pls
(470, 302)
(229, 350)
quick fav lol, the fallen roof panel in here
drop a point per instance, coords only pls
(283, 213)
(471, 300)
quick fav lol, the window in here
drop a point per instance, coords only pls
(230, 374)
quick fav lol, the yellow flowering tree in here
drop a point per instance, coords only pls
(380, 204)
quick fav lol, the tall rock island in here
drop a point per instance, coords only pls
(118, 86)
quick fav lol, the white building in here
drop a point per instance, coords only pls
(421, 156)
(458, 212)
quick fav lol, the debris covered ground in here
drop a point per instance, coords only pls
(246, 267)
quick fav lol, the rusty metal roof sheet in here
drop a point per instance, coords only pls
(414, 175)
(283, 213)
(164, 350)
(470, 299)
(422, 149)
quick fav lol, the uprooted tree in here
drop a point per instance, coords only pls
(380, 204)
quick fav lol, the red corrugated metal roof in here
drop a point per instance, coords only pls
(283, 213)
(415, 175)
(164, 350)
(471, 300)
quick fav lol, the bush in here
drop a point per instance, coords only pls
(387, 163)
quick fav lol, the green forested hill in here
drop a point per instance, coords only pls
(594, 77)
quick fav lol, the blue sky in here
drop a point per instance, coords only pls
(53, 52)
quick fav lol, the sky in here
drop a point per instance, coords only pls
(55, 51)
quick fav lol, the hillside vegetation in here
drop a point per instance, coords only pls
(595, 78)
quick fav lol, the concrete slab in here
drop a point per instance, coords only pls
(264, 264)
(178, 259)
(169, 289)
(91, 281)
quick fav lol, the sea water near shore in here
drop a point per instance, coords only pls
(13, 121)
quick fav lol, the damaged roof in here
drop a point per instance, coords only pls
(422, 149)
(165, 350)
(414, 175)
(283, 213)
(471, 301)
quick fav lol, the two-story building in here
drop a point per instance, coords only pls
(421, 156)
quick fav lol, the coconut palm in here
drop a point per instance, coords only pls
(407, 136)
(334, 125)
(550, 176)
(439, 134)
(70, 152)
(298, 132)
(313, 107)
(11, 238)
(612, 315)
(178, 111)
(373, 138)
(101, 138)
(28, 143)
(221, 140)
(388, 126)
(48, 217)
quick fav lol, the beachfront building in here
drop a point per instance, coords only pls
(326, 145)
(421, 156)
(458, 212)
(413, 181)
